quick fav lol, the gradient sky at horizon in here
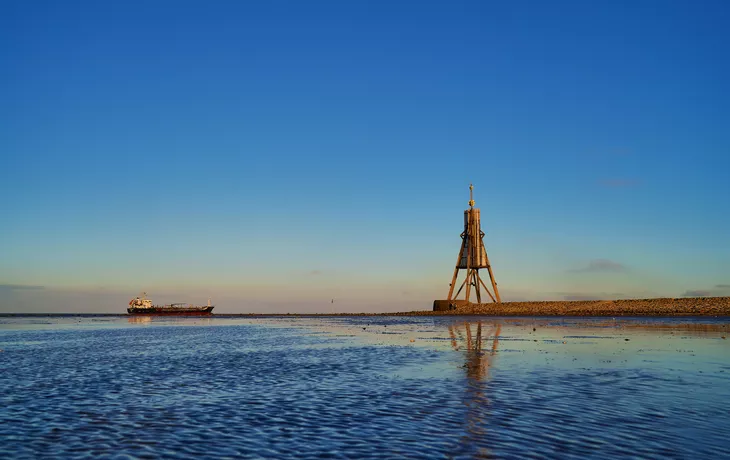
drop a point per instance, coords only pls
(280, 154)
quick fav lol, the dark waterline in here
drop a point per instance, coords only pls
(363, 387)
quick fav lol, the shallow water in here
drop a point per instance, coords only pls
(363, 387)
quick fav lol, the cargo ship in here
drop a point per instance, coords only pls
(143, 306)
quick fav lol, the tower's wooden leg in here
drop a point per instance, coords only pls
(460, 288)
(456, 270)
(469, 275)
(477, 279)
(487, 289)
(494, 283)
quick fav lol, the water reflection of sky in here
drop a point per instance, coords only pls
(529, 342)
(571, 342)
(367, 386)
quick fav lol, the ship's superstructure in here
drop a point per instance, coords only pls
(143, 306)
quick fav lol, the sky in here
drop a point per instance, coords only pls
(277, 155)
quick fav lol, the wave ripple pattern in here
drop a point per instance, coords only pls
(262, 391)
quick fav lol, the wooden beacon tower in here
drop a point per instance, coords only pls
(472, 257)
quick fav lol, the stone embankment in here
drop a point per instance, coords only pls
(684, 306)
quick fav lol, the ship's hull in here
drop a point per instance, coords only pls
(171, 311)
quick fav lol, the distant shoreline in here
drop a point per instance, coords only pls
(660, 307)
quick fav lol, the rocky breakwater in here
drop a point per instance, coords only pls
(684, 306)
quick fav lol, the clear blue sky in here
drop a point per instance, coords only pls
(278, 154)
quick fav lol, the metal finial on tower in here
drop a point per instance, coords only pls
(471, 195)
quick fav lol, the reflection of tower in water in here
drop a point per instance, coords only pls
(478, 361)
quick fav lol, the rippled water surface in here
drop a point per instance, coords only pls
(362, 387)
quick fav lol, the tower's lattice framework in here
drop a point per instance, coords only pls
(472, 258)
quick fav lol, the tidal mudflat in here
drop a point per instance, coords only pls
(364, 387)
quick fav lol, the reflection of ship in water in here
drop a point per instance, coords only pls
(184, 320)
(478, 361)
(139, 319)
